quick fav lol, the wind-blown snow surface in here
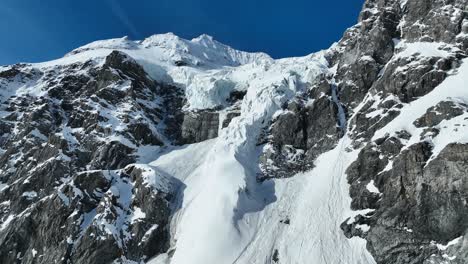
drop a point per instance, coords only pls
(210, 230)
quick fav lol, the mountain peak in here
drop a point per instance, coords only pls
(202, 51)
(204, 38)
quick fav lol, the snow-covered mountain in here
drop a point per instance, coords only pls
(179, 151)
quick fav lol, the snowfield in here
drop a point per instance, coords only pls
(314, 203)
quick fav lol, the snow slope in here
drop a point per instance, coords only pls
(315, 203)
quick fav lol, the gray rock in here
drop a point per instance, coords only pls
(59, 208)
(296, 137)
(444, 110)
(111, 156)
(199, 126)
(414, 207)
(228, 118)
(412, 82)
(68, 178)
(143, 134)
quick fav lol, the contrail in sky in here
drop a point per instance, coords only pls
(118, 11)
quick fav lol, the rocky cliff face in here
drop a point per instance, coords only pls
(192, 152)
(415, 206)
(65, 163)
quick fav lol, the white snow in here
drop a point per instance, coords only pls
(403, 3)
(180, 162)
(87, 219)
(137, 215)
(213, 70)
(3, 186)
(21, 85)
(117, 43)
(7, 221)
(408, 229)
(153, 177)
(35, 132)
(225, 215)
(149, 232)
(316, 203)
(203, 50)
(372, 188)
(30, 195)
(160, 259)
(364, 228)
(423, 49)
(450, 243)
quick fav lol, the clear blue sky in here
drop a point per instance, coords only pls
(35, 30)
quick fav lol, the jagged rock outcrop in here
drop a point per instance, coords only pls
(409, 213)
(399, 183)
(298, 135)
(64, 188)
(417, 201)
(94, 217)
(193, 126)
(444, 110)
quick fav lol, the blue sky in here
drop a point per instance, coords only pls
(34, 30)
